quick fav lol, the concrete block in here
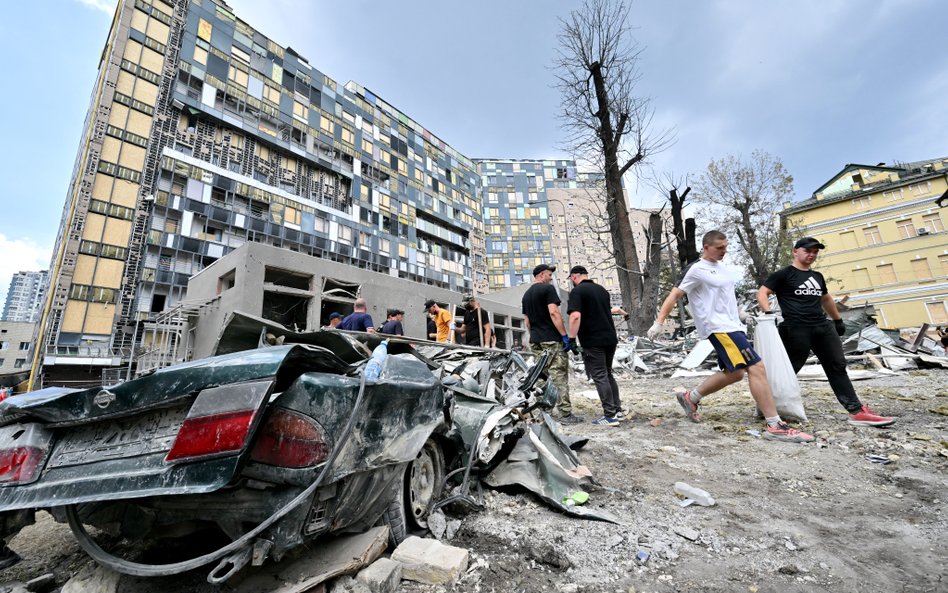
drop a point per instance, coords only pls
(430, 561)
(382, 576)
(93, 579)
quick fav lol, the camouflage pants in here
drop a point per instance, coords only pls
(558, 371)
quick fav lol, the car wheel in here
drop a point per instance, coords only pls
(424, 478)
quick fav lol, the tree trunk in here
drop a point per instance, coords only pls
(627, 259)
(653, 264)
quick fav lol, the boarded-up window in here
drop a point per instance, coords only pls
(110, 150)
(944, 264)
(847, 238)
(139, 123)
(133, 157)
(85, 269)
(861, 278)
(921, 268)
(73, 316)
(937, 312)
(886, 274)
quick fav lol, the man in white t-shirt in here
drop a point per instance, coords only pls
(710, 289)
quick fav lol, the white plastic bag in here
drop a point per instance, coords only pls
(780, 375)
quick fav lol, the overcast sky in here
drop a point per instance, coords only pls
(817, 83)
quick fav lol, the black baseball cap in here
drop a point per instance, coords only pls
(543, 268)
(578, 270)
(429, 303)
(335, 315)
(807, 243)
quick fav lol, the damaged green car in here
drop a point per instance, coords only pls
(272, 447)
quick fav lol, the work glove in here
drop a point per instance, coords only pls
(574, 347)
(566, 345)
(654, 331)
(840, 326)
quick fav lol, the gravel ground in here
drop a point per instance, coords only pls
(788, 517)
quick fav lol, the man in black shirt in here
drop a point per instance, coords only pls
(804, 302)
(393, 325)
(541, 309)
(477, 329)
(590, 320)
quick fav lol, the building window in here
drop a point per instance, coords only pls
(871, 233)
(861, 278)
(937, 312)
(19, 363)
(944, 264)
(921, 268)
(345, 235)
(886, 274)
(920, 189)
(848, 240)
(861, 203)
(933, 223)
(906, 228)
(892, 195)
(24, 345)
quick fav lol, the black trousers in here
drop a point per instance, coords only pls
(823, 340)
(598, 363)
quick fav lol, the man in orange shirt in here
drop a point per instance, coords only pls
(443, 320)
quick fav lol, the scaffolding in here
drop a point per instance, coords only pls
(168, 338)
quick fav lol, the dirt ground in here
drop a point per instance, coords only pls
(788, 517)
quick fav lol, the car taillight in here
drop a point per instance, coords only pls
(20, 464)
(290, 440)
(210, 435)
(23, 450)
(219, 422)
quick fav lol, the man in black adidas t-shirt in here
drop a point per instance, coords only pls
(804, 302)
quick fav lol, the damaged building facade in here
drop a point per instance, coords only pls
(204, 135)
(297, 292)
(547, 211)
(886, 245)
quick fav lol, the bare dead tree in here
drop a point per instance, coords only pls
(742, 199)
(606, 123)
(683, 229)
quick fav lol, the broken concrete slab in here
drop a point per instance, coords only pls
(687, 533)
(698, 355)
(339, 556)
(93, 579)
(382, 576)
(430, 561)
(42, 583)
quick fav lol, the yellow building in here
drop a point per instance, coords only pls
(886, 245)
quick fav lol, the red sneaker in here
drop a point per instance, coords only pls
(783, 432)
(867, 417)
(690, 407)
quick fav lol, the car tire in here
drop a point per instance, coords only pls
(424, 478)
(420, 488)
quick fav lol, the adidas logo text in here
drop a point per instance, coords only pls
(809, 288)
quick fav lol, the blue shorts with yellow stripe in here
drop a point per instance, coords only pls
(734, 350)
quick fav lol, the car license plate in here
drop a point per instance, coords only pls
(152, 432)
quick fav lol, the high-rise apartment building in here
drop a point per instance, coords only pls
(547, 211)
(25, 296)
(517, 215)
(203, 134)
